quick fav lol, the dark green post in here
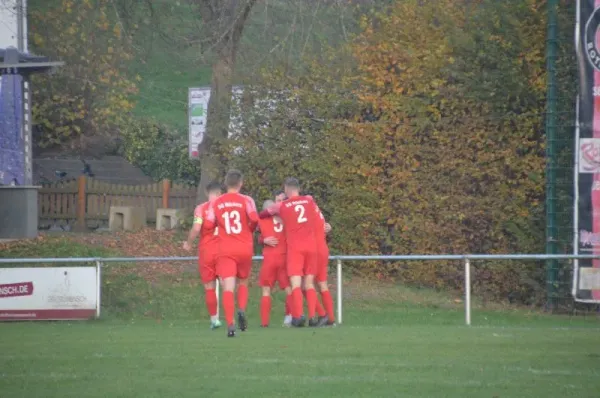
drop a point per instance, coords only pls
(551, 161)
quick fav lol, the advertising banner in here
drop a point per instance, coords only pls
(49, 293)
(586, 277)
(198, 98)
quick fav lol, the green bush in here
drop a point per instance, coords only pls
(160, 151)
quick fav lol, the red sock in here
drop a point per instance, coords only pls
(328, 303)
(228, 307)
(297, 303)
(311, 301)
(265, 310)
(210, 297)
(242, 297)
(320, 309)
(288, 304)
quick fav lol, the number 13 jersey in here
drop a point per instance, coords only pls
(236, 217)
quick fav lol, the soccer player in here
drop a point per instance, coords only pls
(299, 218)
(207, 251)
(282, 276)
(235, 216)
(323, 228)
(273, 268)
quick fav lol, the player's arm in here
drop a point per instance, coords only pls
(194, 231)
(210, 222)
(270, 211)
(320, 214)
(251, 213)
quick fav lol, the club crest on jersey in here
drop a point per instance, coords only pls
(591, 39)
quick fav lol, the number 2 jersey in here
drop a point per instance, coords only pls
(235, 216)
(299, 215)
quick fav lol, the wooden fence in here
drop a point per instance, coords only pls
(86, 199)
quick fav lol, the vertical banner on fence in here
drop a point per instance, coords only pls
(198, 98)
(587, 217)
(12, 155)
(197, 111)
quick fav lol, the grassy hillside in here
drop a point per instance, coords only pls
(170, 55)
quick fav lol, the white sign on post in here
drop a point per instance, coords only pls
(198, 98)
(197, 111)
(70, 293)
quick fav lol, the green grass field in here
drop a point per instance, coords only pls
(381, 350)
(153, 341)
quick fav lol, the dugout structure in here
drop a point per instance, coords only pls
(17, 195)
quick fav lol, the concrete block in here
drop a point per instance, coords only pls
(18, 212)
(167, 218)
(126, 218)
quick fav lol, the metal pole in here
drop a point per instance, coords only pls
(575, 282)
(551, 149)
(20, 27)
(467, 292)
(98, 287)
(339, 291)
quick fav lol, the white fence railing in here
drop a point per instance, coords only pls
(466, 259)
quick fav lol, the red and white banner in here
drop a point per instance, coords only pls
(49, 293)
(586, 277)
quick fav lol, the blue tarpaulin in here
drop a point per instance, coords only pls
(12, 149)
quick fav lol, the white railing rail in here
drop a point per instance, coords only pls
(465, 258)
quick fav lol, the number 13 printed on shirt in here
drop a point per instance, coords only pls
(233, 225)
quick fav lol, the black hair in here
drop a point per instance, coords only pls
(214, 186)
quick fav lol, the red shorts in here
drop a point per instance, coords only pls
(234, 265)
(301, 262)
(322, 264)
(273, 270)
(207, 265)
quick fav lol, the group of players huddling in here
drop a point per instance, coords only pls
(293, 234)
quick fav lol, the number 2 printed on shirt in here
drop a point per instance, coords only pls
(300, 210)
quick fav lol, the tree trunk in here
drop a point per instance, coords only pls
(212, 150)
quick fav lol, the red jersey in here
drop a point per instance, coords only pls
(272, 226)
(235, 216)
(320, 235)
(208, 237)
(299, 215)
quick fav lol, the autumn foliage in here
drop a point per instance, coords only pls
(423, 136)
(92, 94)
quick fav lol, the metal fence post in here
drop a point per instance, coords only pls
(98, 287)
(467, 291)
(551, 152)
(339, 291)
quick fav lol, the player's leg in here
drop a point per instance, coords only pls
(227, 271)
(267, 276)
(321, 279)
(208, 275)
(295, 265)
(318, 307)
(244, 265)
(310, 262)
(284, 283)
(287, 319)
